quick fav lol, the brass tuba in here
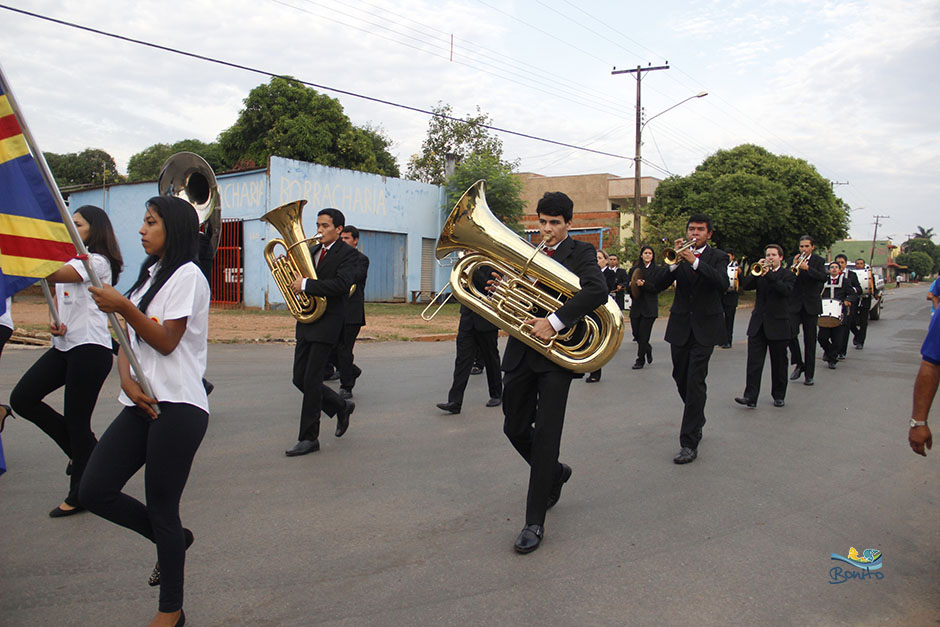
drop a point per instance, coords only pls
(287, 220)
(188, 176)
(585, 347)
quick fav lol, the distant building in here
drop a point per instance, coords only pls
(598, 199)
(880, 257)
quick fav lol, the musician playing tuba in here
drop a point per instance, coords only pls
(535, 389)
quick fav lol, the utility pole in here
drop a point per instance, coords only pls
(637, 159)
(875, 237)
(832, 184)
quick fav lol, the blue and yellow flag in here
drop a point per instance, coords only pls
(34, 242)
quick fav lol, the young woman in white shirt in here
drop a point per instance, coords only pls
(80, 358)
(167, 314)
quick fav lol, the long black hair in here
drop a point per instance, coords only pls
(180, 227)
(639, 259)
(101, 238)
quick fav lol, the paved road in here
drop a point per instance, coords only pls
(410, 518)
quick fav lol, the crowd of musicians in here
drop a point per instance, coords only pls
(166, 313)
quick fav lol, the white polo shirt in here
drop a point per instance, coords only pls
(177, 377)
(84, 322)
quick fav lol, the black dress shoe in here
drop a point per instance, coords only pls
(808, 381)
(743, 400)
(725, 345)
(529, 538)
(493, 402)
(859, 346)
(560, 481)
(453, 408)
(342, 418)
(58, 512)
(303, 447)
(345, 393)
(797, 371)
(685, 455)
(832, 365)
(476, 370)
(333, 377)
(841, 356)
(592, 379)
(637, 365)
(778, 402)
(649, 355)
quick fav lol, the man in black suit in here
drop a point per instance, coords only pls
(476, 338)
(851, 313)
(838, 288)
(805, 307)
(355, 318)
(860, 327)
(535, 389)
(729, 301)
(336, 264)
(621, 280)
(769, 328)
(696, 324)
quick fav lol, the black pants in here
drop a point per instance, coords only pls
(309, 362)
(757, 347)
(689, 370)
(471, 343)
(534, 415)
(808, 322)
(642, 329)
(730, 307)
(82, 370)
(5, 333)
(348, 371)
(830, 340)
(851, 316)
(165, 447)
(860, 327)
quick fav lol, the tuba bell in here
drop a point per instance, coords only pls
(287, 220)
(584, 347)
(188, 176)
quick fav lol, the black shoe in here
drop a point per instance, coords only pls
(332, 377)
(743, 400)
(342, 418)
(560, 481)
(453, 408)
(778, 402)
(832, 365)
(493, 402)
(303, 447)
(530, 538)
(797, 371)
(841, 356)
(154, 579)
(8, 413)
(637, 365)
(58, 512)
(345, 393)
(592, 379)
(476, 370)
(685, 455)
(808, 381)
(208, 386)
(859, 346)
(726, 345)
(649, 355)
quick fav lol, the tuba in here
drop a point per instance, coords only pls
(287, 220)
(584, 347)
(188, 176)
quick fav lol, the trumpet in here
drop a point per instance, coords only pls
(671, 256)
(798, 262)
(760, 268)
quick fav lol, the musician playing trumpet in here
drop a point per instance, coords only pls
(805, 307)
(769, 327)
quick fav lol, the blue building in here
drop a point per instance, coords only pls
(399, 222)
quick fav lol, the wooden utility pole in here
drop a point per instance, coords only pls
(637, 158)
(874, 238)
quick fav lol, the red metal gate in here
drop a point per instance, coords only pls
(228, 273)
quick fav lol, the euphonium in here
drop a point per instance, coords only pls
(520, 294)
(671, 257)
(287, 220)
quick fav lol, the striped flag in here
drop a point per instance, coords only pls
(34, 242)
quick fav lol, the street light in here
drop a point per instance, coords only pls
(638, 159)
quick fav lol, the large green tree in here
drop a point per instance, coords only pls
(91, 166)
(449, 136)
(753, 198)
(287, 119)
(503, 190)
(146, 164)
(924, 245)
(918, 262)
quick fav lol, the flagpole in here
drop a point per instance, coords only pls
(73, 233)
(52, 308)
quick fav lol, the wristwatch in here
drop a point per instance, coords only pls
(918, 423)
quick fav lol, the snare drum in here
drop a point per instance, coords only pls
(866, 280)
(733, 271)
(832, 313)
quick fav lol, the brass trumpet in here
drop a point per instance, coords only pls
(671, 256)
(287, 220)
(799, 261)
(760, 268)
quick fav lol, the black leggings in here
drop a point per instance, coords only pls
(166, 447)
(82, 370)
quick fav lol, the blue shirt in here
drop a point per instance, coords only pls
(930, 351)
(935, 290)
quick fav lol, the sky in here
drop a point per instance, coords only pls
(851, 87)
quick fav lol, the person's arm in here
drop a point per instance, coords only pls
(132, 388)
(163, 337)
(925, 388)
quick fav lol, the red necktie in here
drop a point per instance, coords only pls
(323, 252)
(550, 252)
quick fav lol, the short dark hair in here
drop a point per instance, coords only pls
(352, 231)
(556, 204)
(614, 255)
(832, 263)
(335, 215)
(843, 256)
(859, 259)
(700, 218)
(807, 238)
(777, 247)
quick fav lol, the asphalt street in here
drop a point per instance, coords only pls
(409, 518)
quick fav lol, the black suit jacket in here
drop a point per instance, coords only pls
(470, 321)
(356, 306)
(646, 304)
(805, 294)
(581, 258)
(610, 275)
(336, 272)
(770, 306)
(696, 309)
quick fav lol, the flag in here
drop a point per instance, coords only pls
(34, 242)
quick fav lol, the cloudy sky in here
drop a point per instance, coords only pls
(851, 87)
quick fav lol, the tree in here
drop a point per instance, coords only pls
(503, 190)
(287, 119)
(88, 167)
(920, 263)
(146, 164)
(753, 198)
(450, 136)
(920, 244)
(923, 233)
